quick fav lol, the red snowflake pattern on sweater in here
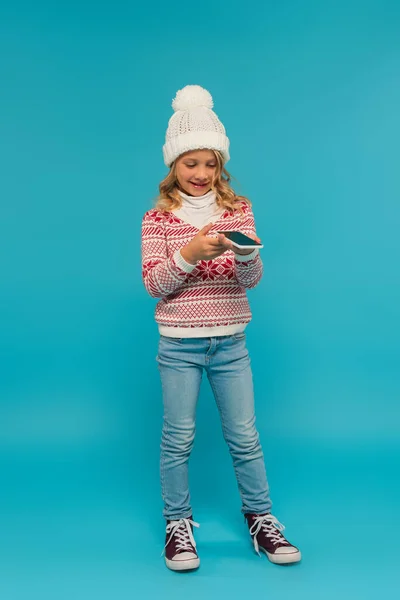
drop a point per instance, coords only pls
(213, 294)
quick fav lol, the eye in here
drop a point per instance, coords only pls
(190, 166)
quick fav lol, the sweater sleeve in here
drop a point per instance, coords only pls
(249, 268)
(162, 274)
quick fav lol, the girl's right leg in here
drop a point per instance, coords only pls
(181, 376)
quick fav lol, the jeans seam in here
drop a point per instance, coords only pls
(165, 436)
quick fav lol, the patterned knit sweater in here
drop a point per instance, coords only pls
(202, 300)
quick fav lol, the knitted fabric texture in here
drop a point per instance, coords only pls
(211, 293)
(194, 125)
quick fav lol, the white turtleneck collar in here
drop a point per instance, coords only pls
(199, 210)
(198, 202)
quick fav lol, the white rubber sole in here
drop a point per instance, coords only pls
(283, 559)
(183, 565)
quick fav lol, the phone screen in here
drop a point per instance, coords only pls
(239, 238)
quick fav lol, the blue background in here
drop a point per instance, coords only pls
(309, 93)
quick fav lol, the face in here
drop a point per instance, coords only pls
(195, 171)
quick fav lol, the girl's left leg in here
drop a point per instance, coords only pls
(229, 372)
(230, 376)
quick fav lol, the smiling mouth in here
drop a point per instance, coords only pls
(199, 185)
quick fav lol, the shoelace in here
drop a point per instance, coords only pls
(271, 527)
(183, 532)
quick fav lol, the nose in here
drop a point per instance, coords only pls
(201, 175)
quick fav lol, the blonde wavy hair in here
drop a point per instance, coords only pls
(169, 198)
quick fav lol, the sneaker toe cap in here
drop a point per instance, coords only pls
(286, 550)
(184, 556)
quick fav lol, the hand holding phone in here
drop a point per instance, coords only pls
(205, 247)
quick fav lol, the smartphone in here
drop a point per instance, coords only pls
(240, 240)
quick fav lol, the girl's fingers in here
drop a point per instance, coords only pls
(225, 243)
(214, 241)
(218, 245)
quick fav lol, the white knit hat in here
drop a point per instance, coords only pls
(194, 125)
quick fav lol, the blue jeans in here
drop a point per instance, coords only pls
(227, 364)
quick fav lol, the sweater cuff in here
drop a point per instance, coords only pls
(247, 257)
(181, 262)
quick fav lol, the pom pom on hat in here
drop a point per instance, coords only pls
(192, 96)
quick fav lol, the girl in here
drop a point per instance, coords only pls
(201, 280)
